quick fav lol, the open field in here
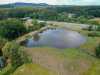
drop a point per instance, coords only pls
(33, 69)
(61, 61)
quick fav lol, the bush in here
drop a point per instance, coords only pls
(98, 51)
(90, 28)
(16, 54)
(36, 25)
(94, 34)
(98, 28)
(2, 43)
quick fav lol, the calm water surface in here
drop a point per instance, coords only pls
(57, 38)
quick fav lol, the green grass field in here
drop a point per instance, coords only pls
(52, 61)
(33, 69)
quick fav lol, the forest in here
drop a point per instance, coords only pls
(50, 13)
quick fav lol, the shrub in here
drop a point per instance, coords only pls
(94, 34)
(16, 54)
(98, 28)
(90, 28)
(36, 25)
(97, 51)
(2, 43)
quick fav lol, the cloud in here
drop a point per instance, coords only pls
(79, 2)
(59, 2)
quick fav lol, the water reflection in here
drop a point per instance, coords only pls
(58, 38)
(36, 37)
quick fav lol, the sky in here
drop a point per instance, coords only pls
(56, 2)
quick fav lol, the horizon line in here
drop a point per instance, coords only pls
(51, 4)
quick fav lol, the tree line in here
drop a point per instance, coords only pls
(50, 13)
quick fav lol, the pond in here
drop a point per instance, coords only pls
(57, 38)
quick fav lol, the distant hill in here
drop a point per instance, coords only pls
(22, 4)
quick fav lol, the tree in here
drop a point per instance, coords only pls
(42, 24)
(16, 54)
(11, 28)
(36, 25)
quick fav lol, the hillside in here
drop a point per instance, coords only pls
(22, 4)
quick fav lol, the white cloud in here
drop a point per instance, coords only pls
(60, 2)
(79, 2)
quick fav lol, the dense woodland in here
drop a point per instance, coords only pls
(59, 13)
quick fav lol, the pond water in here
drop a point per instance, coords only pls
(2, 62)
(57, 38)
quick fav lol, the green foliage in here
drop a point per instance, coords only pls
(42, 24)
(93, 22)
(36, 25)
(53, 13)
(2, 42)
(82, 19)
(97, 51)
(94, 34)
(79, 10)
(11, 28)
(7, 70)
(98, 28)
(90, 28)
(16, 54)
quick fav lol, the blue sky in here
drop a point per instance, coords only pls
(59, 2)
